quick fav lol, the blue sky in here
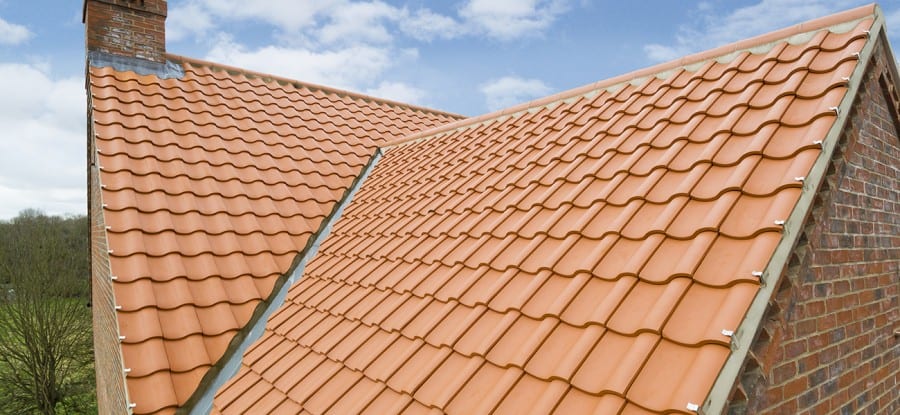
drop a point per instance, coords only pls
(463, 56)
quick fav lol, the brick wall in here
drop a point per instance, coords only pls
(828, 344)
(111, 396)
(130, 28)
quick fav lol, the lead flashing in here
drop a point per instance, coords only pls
(201, 402)
(166, 70)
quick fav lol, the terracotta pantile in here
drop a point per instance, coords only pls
(647, 306)
(484, 390)
(692, 323)
(532, 395)
(614, 362)
(360, 394)
(444, 383)
(692, 369)
(578, 402)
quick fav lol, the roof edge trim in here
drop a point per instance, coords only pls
(167, 70)
(201, 402)
(614, 84)
(285, 80)
(746, 332)
(95, 179)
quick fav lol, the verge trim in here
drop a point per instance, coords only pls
(744, 336)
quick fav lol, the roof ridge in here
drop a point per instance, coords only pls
(282, 79)
(815, 25)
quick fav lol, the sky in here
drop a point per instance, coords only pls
(464, 56)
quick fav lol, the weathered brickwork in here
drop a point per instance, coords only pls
(828, 343)
(111, 395)
(130, 28)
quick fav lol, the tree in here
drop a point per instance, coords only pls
(46, 361)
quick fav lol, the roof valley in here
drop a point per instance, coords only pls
(201, 402)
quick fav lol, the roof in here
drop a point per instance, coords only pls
(592, 252)
(213, 182)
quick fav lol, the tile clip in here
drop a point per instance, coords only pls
(118, 307)
(757, 274)
(855, 55)
(693, 407)
(818, 143)
(868, 33)
(113, 277)
(799, 178)
(727, 333)
(836, 110)
(779, 222)
(132, 405)
(121, 338)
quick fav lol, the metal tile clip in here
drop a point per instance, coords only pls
(818, 143)
(835, 109)
(757, 274)
(799, 178)
(727, 333)
(779, 222)
(127, 370)
(855, 54)
(121, 338)
(132, 405)
(113, 277)
(118, 307)
(693, 407)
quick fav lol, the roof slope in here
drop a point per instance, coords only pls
(212, 183)
(589, 254)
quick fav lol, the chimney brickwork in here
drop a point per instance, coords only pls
(126, 28)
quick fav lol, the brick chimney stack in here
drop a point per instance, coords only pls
(126, 28)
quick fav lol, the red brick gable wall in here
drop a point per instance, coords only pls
(111, 397)
(828, 342)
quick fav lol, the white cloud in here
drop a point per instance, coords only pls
(13, 34)
(187, 19)
(289, 15)
(510, 19)
(893, 22)
(509, 90)
(349, 68)
(42, 158)
(360, 22)
(711, 30)
(397, 91)
(426, 25)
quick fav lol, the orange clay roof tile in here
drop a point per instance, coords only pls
(212, 183)
(562, 256)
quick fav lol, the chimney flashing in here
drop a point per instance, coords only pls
(167, 70)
